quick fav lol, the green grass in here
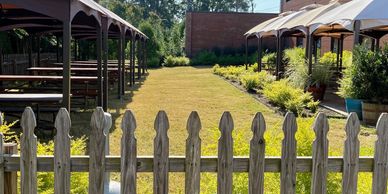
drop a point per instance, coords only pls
(181, 90)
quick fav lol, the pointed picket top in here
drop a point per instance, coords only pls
(128, 124)
(28, 161)
(288, 164)
(128, 153)
(193, 125)
(351, 155)
(380, 171)
(63, 122)
(320, 155)
(161, 152)
(257, 155)
(62, 153)
(28, 122)
(225, 155)
(193, 155)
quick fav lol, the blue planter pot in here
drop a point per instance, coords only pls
(354, 105)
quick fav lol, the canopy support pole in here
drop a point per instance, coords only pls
(38, 51)
(341, 51)
(99, 66)
(310, 42)
(123, 46)
(279, 55)
(119, 63)
(30, 40)
(357, 26)
(377, 44)
(259, 54)
(338, 54)
(75, 49)
(105, 59)
(139, 60)
(246, 53)
(134, 60)
(131, 62)
(66, 42)
(145, 56)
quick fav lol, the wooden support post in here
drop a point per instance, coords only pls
(341, 51)
(357, 26)
(310, 53)
(144, 56)
(377, 44)
(246, 53)
(120, 58)
(66, 64)
(134, 61)
(139, 60)
(338, 54)
(123, 63)
(278, 56)
(99, 66)
(105, 66)
(131, 61)
(259, 53)
(10, 178)
(75, 49)
(30, 40)
(38, 50)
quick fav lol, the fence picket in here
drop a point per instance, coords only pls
(288, 165)
(128, 154)
(257, 156)
(28, 161)
(62, 153)
(380, 170)
(2, 178)
(97, 152)
(351, 155)
(193, 155)
(320, 155)
(161, 152)
(225, 155)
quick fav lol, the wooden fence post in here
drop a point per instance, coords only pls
(320, 155)
(28, 161)
(10, 178)
(161, 152)
(62, 153)
(257, 156)
(193, 155)
(288, 164)
(225, 155)
(97, 152)
(351, 155)
(128, 154)
(380, 170)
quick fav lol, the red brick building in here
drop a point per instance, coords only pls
(205, 31)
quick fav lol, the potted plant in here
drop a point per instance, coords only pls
(367, 79)
(319, 80)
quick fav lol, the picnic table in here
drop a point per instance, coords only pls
(60, 69)
(46, 78)
(76, 64)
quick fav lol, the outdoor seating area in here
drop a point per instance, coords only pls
(66, 77)
(361, 20)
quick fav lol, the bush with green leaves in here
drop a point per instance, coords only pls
(230, 72)
(250, 81)
(172, 61)
(286, 96)
(269, 60)
(294, 56)
(329, 59)
(204, 58)
(153, 45)
(367, 77)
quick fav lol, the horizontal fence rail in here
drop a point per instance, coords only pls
(192, 164)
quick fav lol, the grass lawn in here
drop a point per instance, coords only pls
(181, 90)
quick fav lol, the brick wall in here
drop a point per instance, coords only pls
(205, 31)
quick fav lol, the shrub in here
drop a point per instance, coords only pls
(347, 59)
(8, 134)
(294, 56)
(204, 58)
(153, 45)
(283, 94)
(264, 79)
(79, 181)
(250, 81)
(171, 61)
(329, 59)
(269, 60)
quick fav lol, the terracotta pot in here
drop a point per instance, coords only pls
(317, 92)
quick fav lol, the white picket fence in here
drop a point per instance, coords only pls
(225, 164)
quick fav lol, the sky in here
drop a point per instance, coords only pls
(267, 6)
